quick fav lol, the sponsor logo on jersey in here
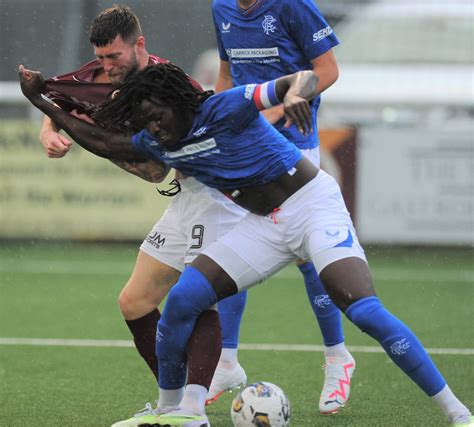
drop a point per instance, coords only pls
(398, 348)
(192, 149)
(321, 34)
(201, 131)
(225, 27)
(259, 52)
(249, 90)
(267, 24)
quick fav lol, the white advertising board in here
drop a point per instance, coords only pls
(416, 186)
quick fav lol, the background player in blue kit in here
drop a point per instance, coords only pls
(295, 210)
(260, 40)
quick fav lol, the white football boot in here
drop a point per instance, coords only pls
(337, 384)
(225, 379)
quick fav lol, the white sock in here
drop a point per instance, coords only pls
(228, 357)
(169, 398)
(449, 403)
(194, 399)
(338, 350)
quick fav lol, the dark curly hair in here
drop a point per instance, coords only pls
(117, 20)
(165, 82)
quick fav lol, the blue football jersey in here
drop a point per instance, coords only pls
(271, 39)
(230, 145)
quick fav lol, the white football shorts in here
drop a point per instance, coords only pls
(313, 155)
(311, 224)
(196, 217)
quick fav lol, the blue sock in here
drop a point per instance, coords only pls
(231, 310)
(328, 315)
(186, 300)
(398, 341)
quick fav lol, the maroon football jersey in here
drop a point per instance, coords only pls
(76, 90)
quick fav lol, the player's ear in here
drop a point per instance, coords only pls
(140, 42)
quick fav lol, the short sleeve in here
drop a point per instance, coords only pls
(220, 47)
(310, 30)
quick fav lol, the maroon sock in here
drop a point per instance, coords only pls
(144, 336)
(204, 348)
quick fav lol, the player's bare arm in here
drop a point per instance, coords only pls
(326, 69)
(150, 170)
(296, 90)
(224, 78)
(89, 136)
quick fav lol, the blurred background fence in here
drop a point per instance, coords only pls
(396, 128)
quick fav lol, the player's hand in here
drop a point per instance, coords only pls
(55, 144)
(298, 112)
(32, 83)
(82, 116)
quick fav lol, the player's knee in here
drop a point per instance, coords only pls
(132, 306)
(190, 296)
(178, 304)
(126, 304)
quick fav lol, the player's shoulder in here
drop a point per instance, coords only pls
(233, 98)
(223, 6)
(155, 59)
(218, 3)
(294, 4)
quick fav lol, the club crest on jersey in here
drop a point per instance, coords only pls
(267, 24)
(225, 27)
(201, 131)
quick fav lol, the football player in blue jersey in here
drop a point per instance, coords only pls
(295, 210)
(260, 40)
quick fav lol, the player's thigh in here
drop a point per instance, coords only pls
(251, 252)
(347, 280)
(331, 242)
(314, 156)
(151, 278)
(158, 265)
(207, 216)
(148, 285)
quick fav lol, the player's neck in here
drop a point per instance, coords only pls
(245, 4)
(143, 60)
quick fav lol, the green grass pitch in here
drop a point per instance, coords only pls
(69, 291)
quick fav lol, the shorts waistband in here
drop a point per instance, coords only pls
(190, 184)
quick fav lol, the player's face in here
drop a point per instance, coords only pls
(119, 59)
(162, 121)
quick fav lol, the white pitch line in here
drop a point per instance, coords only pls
(409, 274)
(252, 347)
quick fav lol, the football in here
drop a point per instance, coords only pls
(261, 404)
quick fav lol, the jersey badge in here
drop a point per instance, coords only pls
(267, 24)
(200, 132)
